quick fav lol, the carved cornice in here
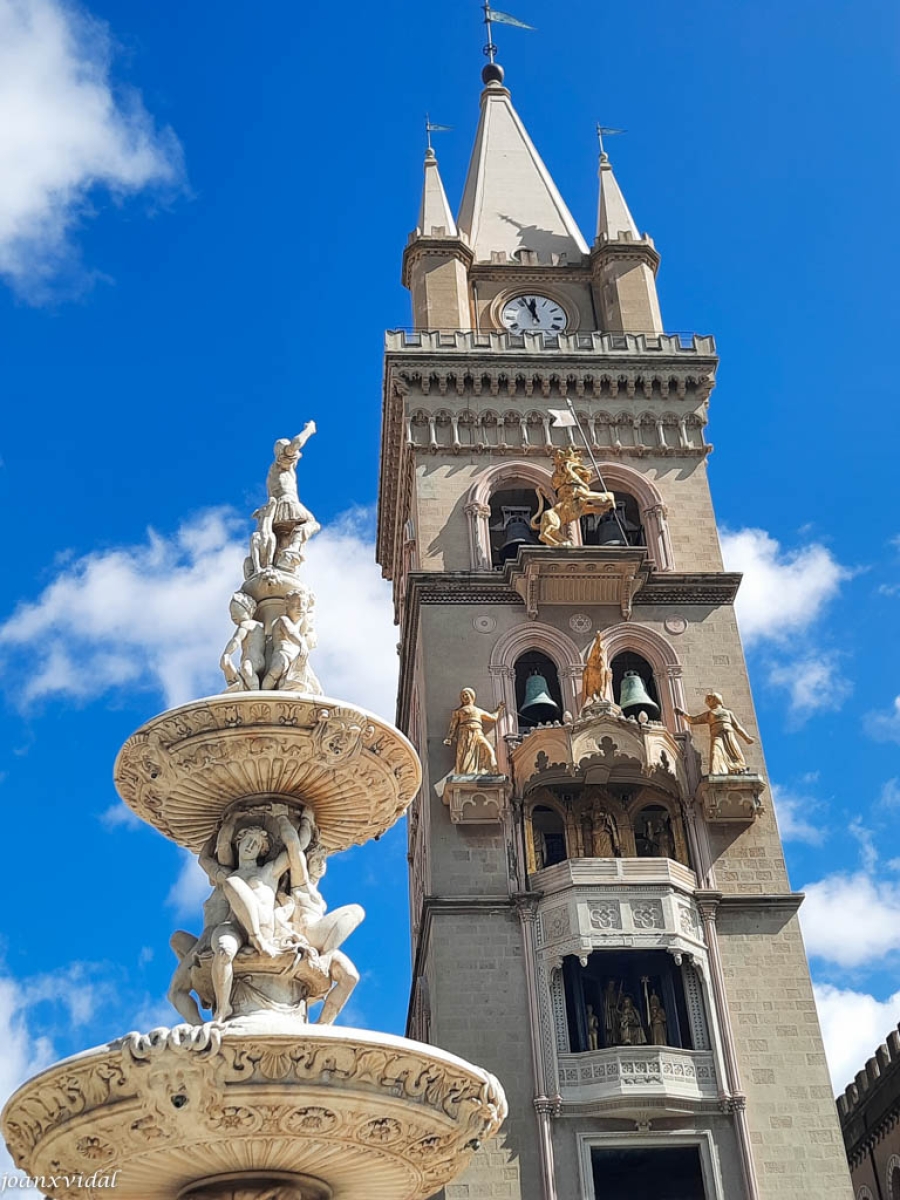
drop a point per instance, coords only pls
(625, 250)
(712, 588)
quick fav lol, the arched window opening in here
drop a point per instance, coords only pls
(625, 998)
(654, 836)
(634, 685)
(620, 527)
(895, 1183)
(509, 524)
(538, 693)
(548, 834)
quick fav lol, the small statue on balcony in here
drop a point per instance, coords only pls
(631, 1027)
(597, 679)
(474, 753)
(657, 1021)
(575, 499)
(593, 1028)
(725, 755)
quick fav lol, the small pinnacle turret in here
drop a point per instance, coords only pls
(613, 215)
(435, 217)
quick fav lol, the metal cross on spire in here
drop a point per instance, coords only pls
(606, 131)
(493, 17)
(431, 127)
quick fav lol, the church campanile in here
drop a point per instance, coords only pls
(600, 909)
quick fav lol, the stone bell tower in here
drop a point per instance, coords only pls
(600, 908)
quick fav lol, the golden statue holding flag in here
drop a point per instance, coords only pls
(572, 483)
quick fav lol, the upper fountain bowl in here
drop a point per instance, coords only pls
(184, 769)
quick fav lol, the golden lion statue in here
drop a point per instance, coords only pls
(571, 481)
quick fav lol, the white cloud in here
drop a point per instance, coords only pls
(190, 889)
(155, 616)
(890, 794)
(851, 919)
(66, 131)
(794, 811)
(814, 682)
(854, 1025)
(885, 727)
(783, 591)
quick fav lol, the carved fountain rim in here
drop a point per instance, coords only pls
(182, 770)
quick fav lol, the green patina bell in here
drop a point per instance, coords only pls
(633, 696)
(538, 704)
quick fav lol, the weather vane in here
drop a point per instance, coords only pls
(431, 127)
(606, 131)
(493, 17)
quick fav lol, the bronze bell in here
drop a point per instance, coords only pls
(614, 529)
(634, 697)
(538, 704)
(518, 533)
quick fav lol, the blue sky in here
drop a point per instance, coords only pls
(202, 213)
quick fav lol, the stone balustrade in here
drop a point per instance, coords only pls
(632, 1077)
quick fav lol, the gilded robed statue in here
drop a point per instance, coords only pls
(474, 753)
(725, 754)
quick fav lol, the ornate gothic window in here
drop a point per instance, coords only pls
(623, 527)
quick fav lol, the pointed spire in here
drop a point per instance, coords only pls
(614, 219)
(510, 203)
(434, 212)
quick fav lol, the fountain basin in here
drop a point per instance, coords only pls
(372, 1116)
(184, 769)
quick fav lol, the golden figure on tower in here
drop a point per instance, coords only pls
(575, 499)
(596, 683)
(474, 753)
(725, 755)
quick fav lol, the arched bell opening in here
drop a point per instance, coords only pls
(634, 686)
(538, 692)
(548, 837)
(509, 523)
(622, 526)
(626, 998)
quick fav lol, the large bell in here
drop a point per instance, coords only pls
(634, 697)
(614, 529)
(538, 705)
(518, 533)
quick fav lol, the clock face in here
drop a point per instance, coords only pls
(524, 314)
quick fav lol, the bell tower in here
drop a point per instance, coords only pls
(599, 903)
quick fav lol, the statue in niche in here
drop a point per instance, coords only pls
(597, 679)
(293, 637)
(540, 847)
(612, 998)
(249, 640)
(654, 836)
(631, 1027)
(474, 753)
(657, 1021)
(593, 1028)
(575, 499)
(599, 833)
(725, 755)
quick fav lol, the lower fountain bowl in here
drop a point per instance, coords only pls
(368, 1116)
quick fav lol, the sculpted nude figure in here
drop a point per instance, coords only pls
(292, 640)
(249, 638)
(249, 882)
(306, 917)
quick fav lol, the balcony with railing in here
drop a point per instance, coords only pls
(629, 1079)
(468, 341)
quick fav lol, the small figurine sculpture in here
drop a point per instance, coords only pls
(631, 1027)
(593, 1028)
(725, 755)
(575, 499)
(612, 995)
(597, 679)
(657, 1021)
(292, 640)
(250, 639)
(474, 753)
(599, 833)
